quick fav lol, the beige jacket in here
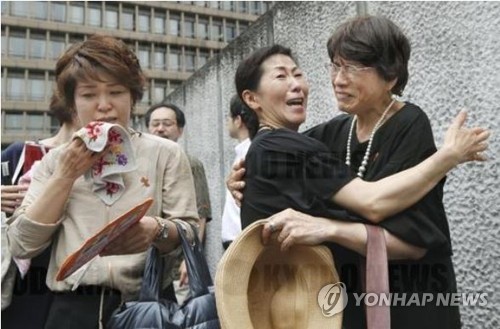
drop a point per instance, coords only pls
(163, 173)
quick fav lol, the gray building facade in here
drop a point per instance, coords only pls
(171, 39)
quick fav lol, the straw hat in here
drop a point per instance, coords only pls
(258, 286)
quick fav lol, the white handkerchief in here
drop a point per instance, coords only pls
(107, 171)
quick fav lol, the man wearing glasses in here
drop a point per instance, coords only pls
(168, 121)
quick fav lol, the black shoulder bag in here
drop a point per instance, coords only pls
(197, 312)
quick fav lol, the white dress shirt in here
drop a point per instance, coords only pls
(231, 222)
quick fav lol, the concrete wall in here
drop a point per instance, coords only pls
(454, 63)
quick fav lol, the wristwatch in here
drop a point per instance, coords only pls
(163, 232)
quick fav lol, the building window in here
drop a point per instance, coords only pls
(217, 31)
(111, 18)
(256, 8)
(39, 9)
(5, 8)
(56, 46)
(128, 22)
(159, 57)
(4, 43)
(146, 100)
(200, 3)
(159, 23)
(54, 125)
(203, 59)
(214, 4)
(227, 5)
(75, 13)
(19, 8)
(243, 6)
(266, 5)
(13, 122)
(35, 122)
(95, 15)
(58, 11)
(144, 21)
(174, 60)
(36, 87)
(15, 86)
(38, 45)
(203, 28)
(17, 44)
(189, 58)
(174, 25)
(160, 91)
(230, 31)
(189, 27)
(143, 55)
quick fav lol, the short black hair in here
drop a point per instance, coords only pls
(179, 115)
(249, 70)
(247, 115)
(374, 41)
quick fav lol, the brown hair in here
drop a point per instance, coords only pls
(88, 59)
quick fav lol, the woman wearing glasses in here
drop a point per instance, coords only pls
(376, 138)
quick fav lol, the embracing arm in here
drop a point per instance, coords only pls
(378, 200)
(294, 227)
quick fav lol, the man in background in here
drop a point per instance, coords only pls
(242, 124)
(168, 121)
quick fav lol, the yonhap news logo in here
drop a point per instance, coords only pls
(332, 299)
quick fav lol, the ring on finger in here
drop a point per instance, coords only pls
(272, 227)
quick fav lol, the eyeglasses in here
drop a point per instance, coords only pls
(167, 123)
(349, 70)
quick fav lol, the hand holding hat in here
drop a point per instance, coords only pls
(262, 287)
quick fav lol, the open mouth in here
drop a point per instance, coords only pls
(295, 101)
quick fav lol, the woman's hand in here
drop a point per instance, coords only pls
(465, 144)
(293, 227)
(235, 183)
(12, 197)
(137, 238)
(76, 160)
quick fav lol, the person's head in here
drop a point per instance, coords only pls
(242, 120)
(369, 62)
(100, 79)
(270, 82)
(165, 120)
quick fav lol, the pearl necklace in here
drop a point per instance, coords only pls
(362, 168)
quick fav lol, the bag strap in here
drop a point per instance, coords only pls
(196, 264)
(152, 278)
(377, 278)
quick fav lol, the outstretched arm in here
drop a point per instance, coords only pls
(378, 200)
